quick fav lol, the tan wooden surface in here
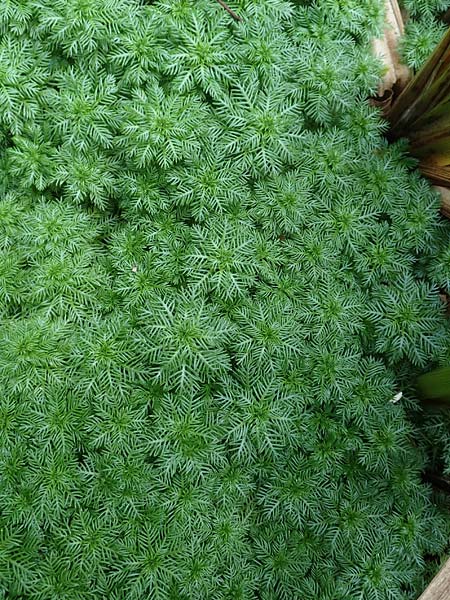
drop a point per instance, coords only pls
(439, 588)
(386, 49)
(445, 205)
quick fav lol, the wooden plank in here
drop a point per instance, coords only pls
(439, 588)
(439, 176)
(445, 200)
(386, 49)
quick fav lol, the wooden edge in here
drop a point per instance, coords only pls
(394, 33)
(439, 588)
(439, 176)
(381, 50)
(386, 49)
(397, 15)
(445, 202)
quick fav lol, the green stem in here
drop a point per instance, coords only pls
(434, 387)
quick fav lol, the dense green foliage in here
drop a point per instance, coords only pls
(213, 270)
(424, 29)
